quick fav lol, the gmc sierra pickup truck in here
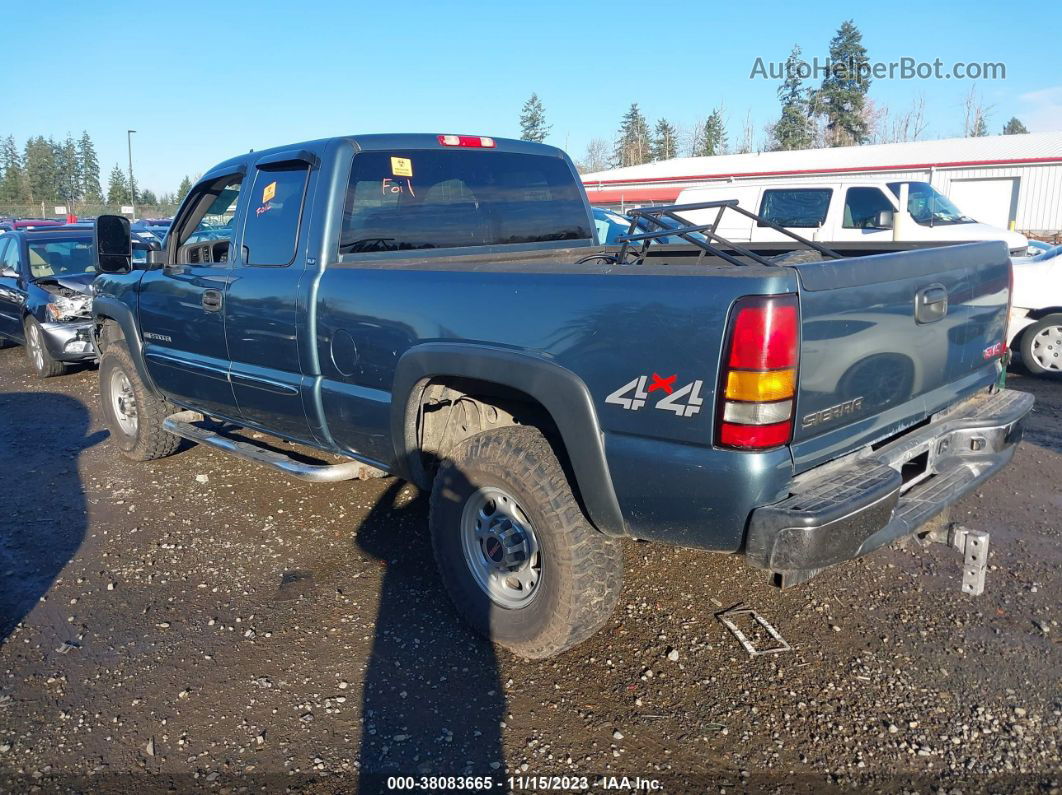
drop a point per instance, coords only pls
(435, 307)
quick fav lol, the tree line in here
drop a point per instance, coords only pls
(837, 112)
(67, 172)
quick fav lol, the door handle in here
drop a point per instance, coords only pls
(211, 300)
(931, 303)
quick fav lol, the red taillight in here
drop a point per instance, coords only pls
(757, 389)
(474, 141)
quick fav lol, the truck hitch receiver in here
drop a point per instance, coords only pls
(973, 544)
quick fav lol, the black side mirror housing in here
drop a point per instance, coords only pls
(883, 220)
(113, 244)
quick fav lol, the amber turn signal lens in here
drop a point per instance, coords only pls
(751, 385)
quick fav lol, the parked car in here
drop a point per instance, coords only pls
(45, 296)
(11, 225)
(437, 307)
(1035, 329)
(152, 228)
(609, 225)
(843, 212)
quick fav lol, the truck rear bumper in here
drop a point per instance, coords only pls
(847, 508)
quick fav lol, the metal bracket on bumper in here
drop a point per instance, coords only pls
(973, 544)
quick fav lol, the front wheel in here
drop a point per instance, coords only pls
(516, 554)
(42, 362)
(1041, 346)
(134, 415)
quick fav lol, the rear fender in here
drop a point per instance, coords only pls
(559, 391)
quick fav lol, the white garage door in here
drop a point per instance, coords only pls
(990, 201)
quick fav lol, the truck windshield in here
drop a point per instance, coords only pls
(424, 199)
(929, 207)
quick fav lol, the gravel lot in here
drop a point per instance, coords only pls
(199, 622)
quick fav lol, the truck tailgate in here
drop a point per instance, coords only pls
(888, 340)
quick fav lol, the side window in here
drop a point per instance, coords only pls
(4, 246)
(795, 207)
(861, 208)
(10, 255)
(203, 234)
(271, 232)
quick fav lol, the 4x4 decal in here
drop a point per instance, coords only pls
(684, 402)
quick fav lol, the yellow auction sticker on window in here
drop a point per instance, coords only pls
(270, 191)
(401, 167)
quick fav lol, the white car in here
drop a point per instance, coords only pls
(1036, 311)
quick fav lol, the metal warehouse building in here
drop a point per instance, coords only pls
(1005, 180)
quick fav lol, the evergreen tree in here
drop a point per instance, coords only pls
(980, 129)
(148, 198)
(67, 171)
(533, 125)
(182, 189)
(632, 140)
(117, 187)
(710, 139)
(665, 138)
(89, 168)
(1014, 127)
(794, 129)
(12, 176)
(842, 97)
(41, 174)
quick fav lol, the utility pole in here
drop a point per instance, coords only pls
(132, 188)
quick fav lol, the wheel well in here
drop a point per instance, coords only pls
(448, 410)
(1040, 314)
(108, 331)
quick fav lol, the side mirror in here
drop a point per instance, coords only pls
(883, 220)
(113, 244)
(8, 272)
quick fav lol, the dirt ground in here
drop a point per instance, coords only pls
(199, 622)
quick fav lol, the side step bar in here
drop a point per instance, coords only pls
(181, 424)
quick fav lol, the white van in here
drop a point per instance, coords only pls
(835, 212)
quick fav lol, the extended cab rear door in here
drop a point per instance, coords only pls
(265, 318)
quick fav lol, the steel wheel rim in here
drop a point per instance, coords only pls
(1047, 348)
(123, 402)
(500, 548)
(36, 347)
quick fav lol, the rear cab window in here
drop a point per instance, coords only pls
(795, 207)
(414, 200)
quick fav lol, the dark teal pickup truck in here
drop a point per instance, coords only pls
(436, 307)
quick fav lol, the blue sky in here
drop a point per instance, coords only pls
(201, 81)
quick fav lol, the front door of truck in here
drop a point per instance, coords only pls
(262, 317)
(182, 305)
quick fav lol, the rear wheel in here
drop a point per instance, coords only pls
(1041, 346)
(134, 415)
(42, 362)
(515, 552)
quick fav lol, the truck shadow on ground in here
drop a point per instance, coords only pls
(433, 703)
(42, 505)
